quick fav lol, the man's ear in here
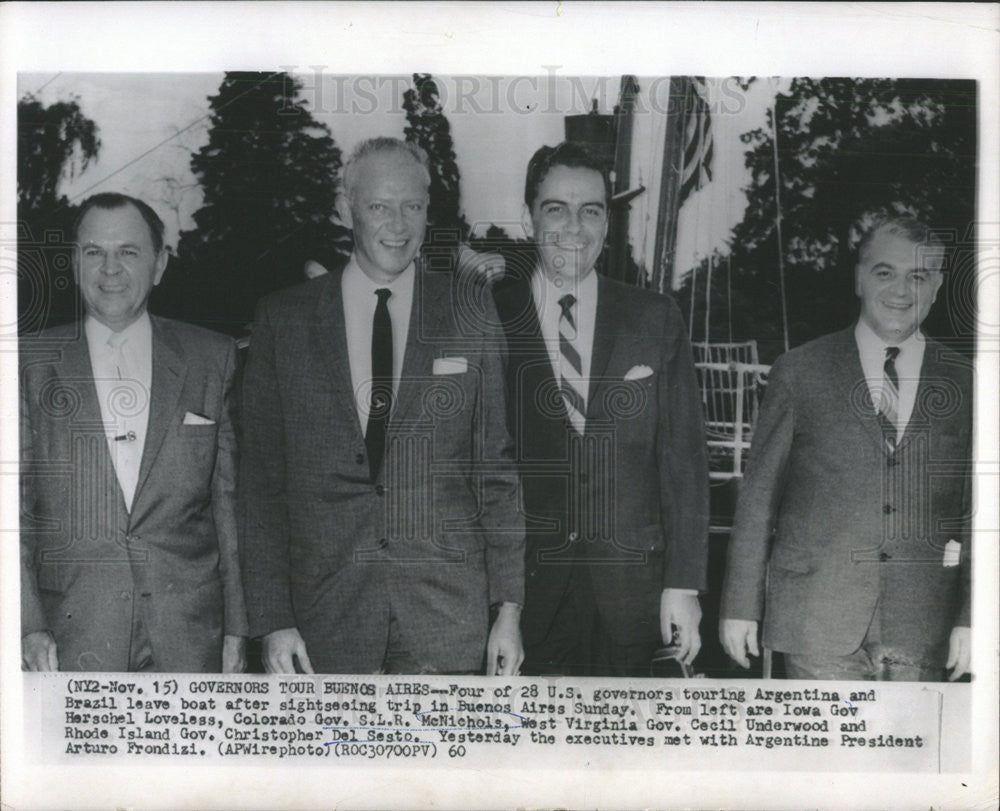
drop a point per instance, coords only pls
(161, 265)
(529, 227)
(344, 210)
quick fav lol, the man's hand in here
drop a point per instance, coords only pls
(682, 611)
(38, 651)
(504, 652)
(234, 654)
(959, 652)
(279, 649)
(739, 637)
(488, 265)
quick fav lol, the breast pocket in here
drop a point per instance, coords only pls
(197, 443)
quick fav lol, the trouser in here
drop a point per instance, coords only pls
(578, 643)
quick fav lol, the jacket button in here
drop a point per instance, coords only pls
(891, 461)
(574, 536)
(382, 543)
(379, 490)
(360, 458)
(125, 595)
(884, 557)
(888, 508)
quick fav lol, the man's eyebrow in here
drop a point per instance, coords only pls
(548, 200)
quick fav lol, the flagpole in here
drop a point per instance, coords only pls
(777, 221)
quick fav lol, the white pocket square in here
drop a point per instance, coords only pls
(952, 554)
(190, 418)
(450, 366)
(638, 373)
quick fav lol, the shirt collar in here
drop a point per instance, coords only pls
(138, 333)
(870, 344)
(357, 284)
(547, 294)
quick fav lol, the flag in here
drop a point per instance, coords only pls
(685, 165)
(697, 167)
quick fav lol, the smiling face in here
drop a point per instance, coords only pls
(387, 210)
(116, 265)
(568, 221)
(897, 282)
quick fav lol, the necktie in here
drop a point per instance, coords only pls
(889, 407)
(381, 397)
(571, 383)
(125, 399)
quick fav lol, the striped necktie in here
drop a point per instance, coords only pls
(889, 406)
(571, 382)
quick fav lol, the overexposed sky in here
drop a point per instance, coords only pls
(151, 123)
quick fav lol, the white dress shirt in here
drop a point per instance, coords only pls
(358, 291)
(871, 349)
(123, 386)
(546, 296)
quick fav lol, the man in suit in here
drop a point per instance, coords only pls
(129, 557)
(603, 401)
(381, 526)
(861, 470)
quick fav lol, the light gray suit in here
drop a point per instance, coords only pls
(89, 568)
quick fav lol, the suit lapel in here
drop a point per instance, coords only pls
(76, 371)
(428, 312)
(849, 382)
(610, 315)
(329, 336)
(169, 372)
(531, 365)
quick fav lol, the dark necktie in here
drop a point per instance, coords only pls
(889, 408)
(381, 398)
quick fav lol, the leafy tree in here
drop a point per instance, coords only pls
(429, 128)
(54, 143)
(268, 177)
(847, 148)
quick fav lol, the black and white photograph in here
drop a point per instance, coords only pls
(599, 421)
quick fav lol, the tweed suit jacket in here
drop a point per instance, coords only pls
(88, 566)
(627, 501)
(852, 524)
(436, 539)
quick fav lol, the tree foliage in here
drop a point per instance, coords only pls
(268, 177)
(428, 127)
(847, 149)
(54, 143)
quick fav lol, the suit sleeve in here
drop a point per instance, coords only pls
(501, 522)
(964, 618)
(758, 502)
(224, 507)
(32, 616)
(683, 462)
(263, 513)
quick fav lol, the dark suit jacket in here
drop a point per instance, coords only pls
(852, 524)
(436, 540)
(86, 563)
(628, 500)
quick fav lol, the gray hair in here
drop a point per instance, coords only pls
(383, 146)
(909, 228)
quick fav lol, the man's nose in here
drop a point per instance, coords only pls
(397, 222)
(573, 222)
(111, 264)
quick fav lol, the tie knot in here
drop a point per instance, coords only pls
(567, 302)
(383, 294)
(116, 340)
(891, 353)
